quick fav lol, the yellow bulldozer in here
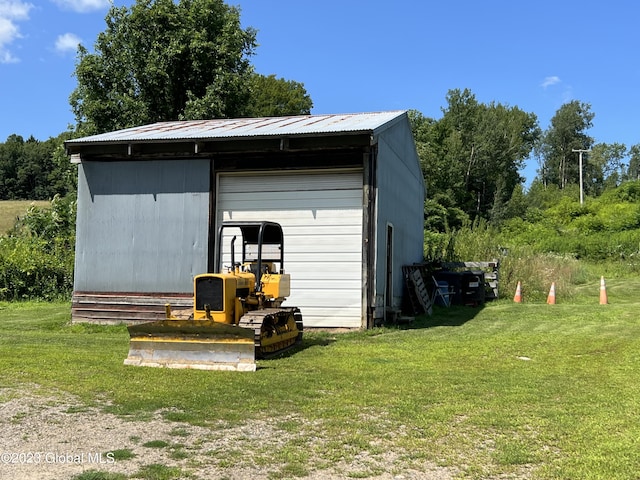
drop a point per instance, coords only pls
(237, 314)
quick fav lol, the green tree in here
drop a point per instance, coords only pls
(164, 60)
(32, 171)
(473, 154)
(35, 170)
(276, 97)
(559, 164)
(633, 172)
(517, 204)
(541, 196)
(442, 181)
(604, 167)
(10, 155)
(63, 177)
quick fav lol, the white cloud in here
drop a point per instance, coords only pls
(11, 11)
(550, 81)
(14, 9)
(83, 6)
(8, 31)
(7, 57)
(67, 43)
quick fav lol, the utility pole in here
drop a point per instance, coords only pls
(580, 167)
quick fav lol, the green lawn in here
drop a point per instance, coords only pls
(527, 390)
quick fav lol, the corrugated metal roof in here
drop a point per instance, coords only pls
(248, 128)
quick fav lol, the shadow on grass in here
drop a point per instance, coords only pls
(308, 341)
(453, 316)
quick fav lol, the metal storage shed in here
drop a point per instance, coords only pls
(347, 189)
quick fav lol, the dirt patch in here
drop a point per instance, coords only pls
(57, 437)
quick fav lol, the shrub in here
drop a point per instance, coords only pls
(627, 192)
(620, 216)
(437, 246)
(56, 223)
(476, 242)
(37, 257)
(30, 268)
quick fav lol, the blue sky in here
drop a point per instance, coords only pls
(369, 55)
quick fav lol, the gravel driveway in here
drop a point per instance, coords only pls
(45, 436)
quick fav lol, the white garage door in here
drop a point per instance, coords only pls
(321, 216)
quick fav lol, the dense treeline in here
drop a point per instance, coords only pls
(35, 170)
(472, 158)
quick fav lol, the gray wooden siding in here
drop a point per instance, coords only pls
(142, 225)
(400, 202)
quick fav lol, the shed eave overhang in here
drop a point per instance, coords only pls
(213, 146)
(250, 134)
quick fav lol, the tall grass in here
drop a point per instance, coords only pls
(537, 272)
(530, 264)
(11, 210)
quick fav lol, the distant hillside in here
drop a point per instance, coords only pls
(10, 209)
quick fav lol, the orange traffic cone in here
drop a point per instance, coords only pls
(518, 296)
(551, 299)
(603, 292)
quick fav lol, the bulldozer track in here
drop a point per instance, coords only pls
(272, 321)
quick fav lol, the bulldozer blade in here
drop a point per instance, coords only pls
(197, 344)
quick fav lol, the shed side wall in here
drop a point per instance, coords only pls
(400, 203)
